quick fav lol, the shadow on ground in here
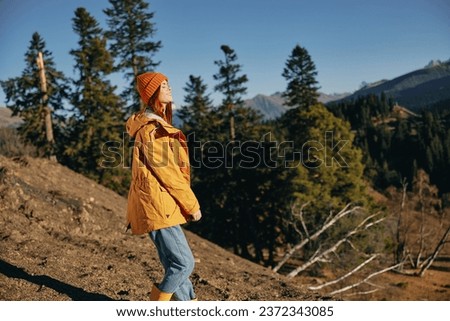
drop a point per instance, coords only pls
(75, 293)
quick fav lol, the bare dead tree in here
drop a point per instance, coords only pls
(330, 221)
(420, 183)
(364, 225)
(428, 200)
(432, 257)
(45, 108)
(401, 237)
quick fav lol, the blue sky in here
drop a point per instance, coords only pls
(350, 41)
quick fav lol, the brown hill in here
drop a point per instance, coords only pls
(62, 237)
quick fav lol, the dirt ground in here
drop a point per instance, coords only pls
(434, 286)
(62, 237)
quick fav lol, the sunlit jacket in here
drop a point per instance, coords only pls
(160, 194)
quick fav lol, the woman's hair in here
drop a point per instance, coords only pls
(155, 105)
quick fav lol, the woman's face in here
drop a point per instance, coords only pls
(165, 93)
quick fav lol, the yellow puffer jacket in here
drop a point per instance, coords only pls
(160, 194)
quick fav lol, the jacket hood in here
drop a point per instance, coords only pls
(139, 120)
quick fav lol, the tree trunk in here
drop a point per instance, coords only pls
(400, 251)
(142, 104)
(232, 127)
(422, 221)
(46, 109)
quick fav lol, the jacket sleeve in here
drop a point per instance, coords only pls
(164, 164)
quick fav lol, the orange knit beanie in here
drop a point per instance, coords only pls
(148, 83)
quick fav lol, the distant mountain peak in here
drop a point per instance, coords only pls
(435, 63)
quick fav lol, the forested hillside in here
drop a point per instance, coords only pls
(397, 142)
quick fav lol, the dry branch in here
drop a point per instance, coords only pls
(359, 267)
(345, 211)
(302, 220)
(362, 293)
(365, 280)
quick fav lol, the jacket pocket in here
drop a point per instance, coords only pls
(168, 203)
(151, 200)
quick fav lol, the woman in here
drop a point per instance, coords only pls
(160, 197)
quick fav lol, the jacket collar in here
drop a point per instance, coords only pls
(140, 119)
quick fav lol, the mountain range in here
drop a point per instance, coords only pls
(414, 90)
(272, 106)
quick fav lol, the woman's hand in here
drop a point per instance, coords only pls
(196, 216)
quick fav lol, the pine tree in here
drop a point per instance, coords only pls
(231, 84)
(325, 175)
(130, 29)
(26, 98)
(97, 122)
(200, 121)
(330, 168)
(300, 73)
(198, 116)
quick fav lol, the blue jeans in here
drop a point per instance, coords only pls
(178, 262)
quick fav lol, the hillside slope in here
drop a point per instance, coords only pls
(62, 237)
